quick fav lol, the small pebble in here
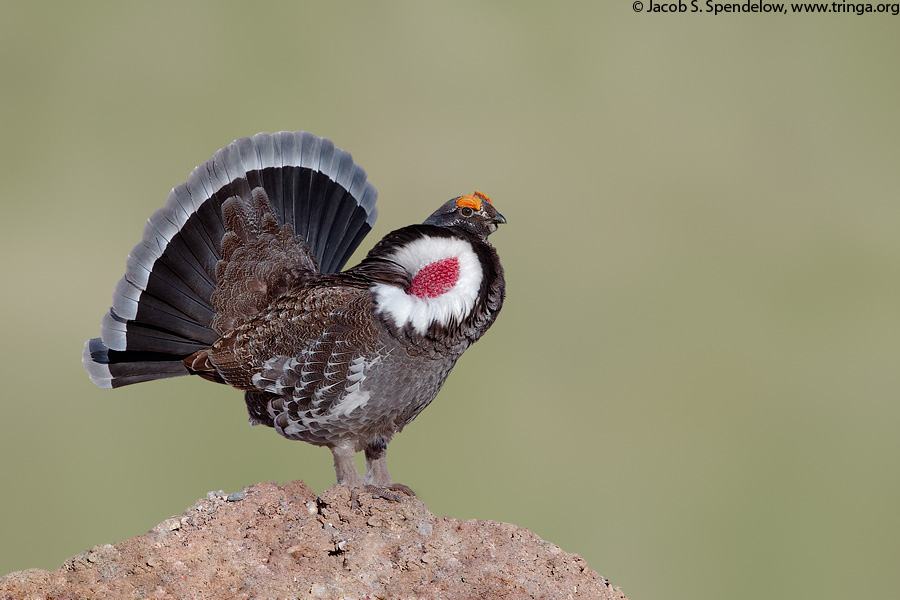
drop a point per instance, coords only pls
(424, 528)
(236, 497)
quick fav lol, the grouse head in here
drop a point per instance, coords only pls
(473, 213)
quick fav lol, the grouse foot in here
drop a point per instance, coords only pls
(385, 493)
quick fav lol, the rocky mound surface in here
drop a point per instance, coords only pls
(275, 541)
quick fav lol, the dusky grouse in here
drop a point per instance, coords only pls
(238, 280)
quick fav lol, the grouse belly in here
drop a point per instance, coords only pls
(382, 392)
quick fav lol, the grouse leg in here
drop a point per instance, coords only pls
(344, 467)
(376, 464)
(376, 468)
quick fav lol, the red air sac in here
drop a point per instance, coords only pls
(435, 279)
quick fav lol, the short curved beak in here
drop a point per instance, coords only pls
(499, 219)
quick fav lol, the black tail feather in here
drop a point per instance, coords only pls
(108, 368)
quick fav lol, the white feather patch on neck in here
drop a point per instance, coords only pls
(421, 313)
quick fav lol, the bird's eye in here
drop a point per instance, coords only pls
(466, 211)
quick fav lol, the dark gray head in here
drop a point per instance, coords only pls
(473, 212)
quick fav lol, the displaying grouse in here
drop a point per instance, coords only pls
(238, 280)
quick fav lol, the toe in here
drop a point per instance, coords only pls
(399, 487)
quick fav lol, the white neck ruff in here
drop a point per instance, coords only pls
(421, 313)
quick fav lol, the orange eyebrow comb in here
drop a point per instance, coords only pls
(473, 200)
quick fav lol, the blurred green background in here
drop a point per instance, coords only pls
(694, 382)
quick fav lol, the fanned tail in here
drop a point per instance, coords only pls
(164, 308)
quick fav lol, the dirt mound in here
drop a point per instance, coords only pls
(275, 541)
